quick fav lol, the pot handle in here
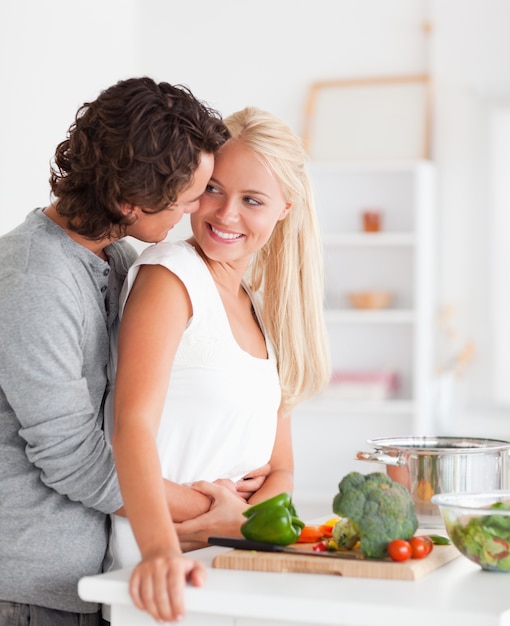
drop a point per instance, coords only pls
(391, 457)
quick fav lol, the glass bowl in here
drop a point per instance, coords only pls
(479, 526)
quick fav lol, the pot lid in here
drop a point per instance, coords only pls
(443, 444)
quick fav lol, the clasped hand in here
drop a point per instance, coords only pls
(225, 515)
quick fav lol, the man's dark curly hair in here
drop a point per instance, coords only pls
(140, 143)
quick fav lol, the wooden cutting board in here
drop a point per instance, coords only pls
(356, 568)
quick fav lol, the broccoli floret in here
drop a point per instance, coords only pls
(381, 509)
(345, 533)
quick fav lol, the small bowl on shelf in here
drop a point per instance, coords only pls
(370, 299)
(479, 526)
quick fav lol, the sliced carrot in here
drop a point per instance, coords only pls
(327, 530)
(310, 534)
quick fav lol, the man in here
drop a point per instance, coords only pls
(134, 161)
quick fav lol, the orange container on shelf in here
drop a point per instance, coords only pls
(372, 221)
(370, 299)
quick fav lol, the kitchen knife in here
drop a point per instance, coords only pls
(262, 546)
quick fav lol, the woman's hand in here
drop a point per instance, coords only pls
(248, 484)
(252, 482)
(224, 517)
(227, 483)
(157, 584)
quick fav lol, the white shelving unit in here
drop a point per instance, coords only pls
(399, 259)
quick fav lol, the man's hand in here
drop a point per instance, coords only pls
(224, 517)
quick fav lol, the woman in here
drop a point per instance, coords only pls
(221, 337)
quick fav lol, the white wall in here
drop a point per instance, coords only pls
(234, 53)
(470, 62)
(54, 55)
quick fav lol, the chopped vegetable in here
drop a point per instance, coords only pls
(332, 545)
(331, 522)
(322, 546)
(438, 540)
(419, 547)
(428, 541)
(327, 530)
(485, 539)
(346, 533)
(399, 550)
(379, 508)
(311, 534)
(273, 521)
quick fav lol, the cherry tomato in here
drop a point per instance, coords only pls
(419, 547)
(429, 542)
(399, 550)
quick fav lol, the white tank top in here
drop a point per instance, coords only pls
(220, 414)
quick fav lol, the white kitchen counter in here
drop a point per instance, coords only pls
(459, 593)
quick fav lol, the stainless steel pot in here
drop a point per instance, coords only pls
(430, 465)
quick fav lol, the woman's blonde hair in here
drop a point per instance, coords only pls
(288, 270)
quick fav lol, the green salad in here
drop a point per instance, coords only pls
(484, 539)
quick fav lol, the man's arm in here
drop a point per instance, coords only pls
(41, 374)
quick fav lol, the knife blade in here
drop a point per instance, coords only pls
(262, 546)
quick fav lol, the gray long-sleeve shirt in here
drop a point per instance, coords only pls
(57, 475)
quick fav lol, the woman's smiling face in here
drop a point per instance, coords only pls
(240, 207)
